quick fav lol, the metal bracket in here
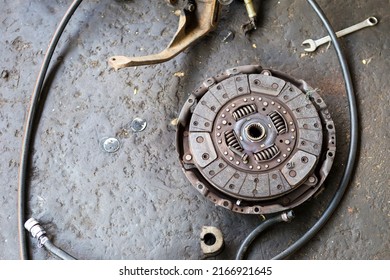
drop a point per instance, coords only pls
(193, 25)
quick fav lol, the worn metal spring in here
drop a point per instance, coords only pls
(278, 121)
(232, 141)
(244, 111)
(266, 154)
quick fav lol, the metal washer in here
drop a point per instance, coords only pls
(110, 144)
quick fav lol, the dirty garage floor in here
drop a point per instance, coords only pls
(137, 203)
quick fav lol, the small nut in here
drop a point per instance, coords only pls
(212, 242)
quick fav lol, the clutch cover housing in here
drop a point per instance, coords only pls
(255, 141)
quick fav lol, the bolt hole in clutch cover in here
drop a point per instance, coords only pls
(256, 141)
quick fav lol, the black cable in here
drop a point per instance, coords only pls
(28, 128)
(353, 145)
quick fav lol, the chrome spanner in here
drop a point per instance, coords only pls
(313, 45)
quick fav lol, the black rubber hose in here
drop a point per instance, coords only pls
(285, 217)
(28, 128)
(353, 145)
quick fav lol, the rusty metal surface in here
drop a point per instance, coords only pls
(137, 203)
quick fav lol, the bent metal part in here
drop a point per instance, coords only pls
(256, 141)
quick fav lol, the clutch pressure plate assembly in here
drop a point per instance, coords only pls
(256, 141)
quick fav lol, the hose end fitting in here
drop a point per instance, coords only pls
(288, 216)
(36, 230)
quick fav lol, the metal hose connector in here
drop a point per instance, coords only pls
(39, 233)
(284, 217)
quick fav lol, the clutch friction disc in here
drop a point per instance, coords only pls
(255, 141)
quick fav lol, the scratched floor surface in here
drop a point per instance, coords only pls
(137, 203)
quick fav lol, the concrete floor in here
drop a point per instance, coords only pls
(137, 203)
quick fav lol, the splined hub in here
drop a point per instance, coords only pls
(256, 141)
(255, 132)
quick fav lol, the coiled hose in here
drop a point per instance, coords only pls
(348, 171)
(353, 145)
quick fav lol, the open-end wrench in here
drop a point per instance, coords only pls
(313, 45)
